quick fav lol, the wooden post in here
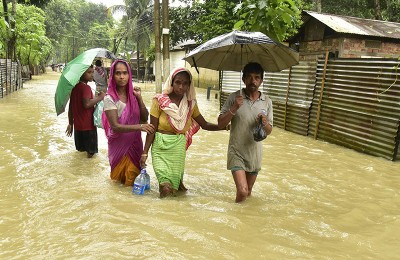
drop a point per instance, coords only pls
(320, 96)
(165, 39)
(157, 42)
(287, 97)
(396, 145)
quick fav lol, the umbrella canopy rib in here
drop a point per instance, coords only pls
(234, 50)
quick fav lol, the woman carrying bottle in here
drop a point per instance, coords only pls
(124, 117)
(176, 118)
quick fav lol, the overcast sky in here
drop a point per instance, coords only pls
(108, 3)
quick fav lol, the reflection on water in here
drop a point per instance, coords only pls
(311, 200)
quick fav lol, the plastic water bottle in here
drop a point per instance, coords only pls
(147, 187)
(140, 183)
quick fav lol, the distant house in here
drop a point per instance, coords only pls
(205, 78)
(178, 52)
(346, 37)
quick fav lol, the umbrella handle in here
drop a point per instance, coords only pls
(195, 65)
(241, 64)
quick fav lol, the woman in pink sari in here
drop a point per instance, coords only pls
(124, 118)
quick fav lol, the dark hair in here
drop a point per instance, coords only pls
(253, 67)
(181, 72)
(98, 63)
(91, 66)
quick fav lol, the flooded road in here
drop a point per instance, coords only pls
(311, 200)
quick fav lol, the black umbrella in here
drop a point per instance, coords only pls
(233, 50)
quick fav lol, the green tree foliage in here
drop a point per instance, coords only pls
(37, 3)
(217, 17)
(276, 18)
(387, 10)
(5, 33)
(92, 20)
(205, 20)
(31, 44)
(181, 20)
(136, 30)
(202, 21)
(279, 19)
(136, 27)
(74, 26)
(59, 20)
(392, 11)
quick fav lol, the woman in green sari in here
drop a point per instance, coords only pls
(176, 118)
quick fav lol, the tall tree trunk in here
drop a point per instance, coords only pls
(146, 71)
(389, 10)
(137, 59)
(378, 11)
(318, 6)
(7, 19)
(5, 8)
(13, 38)
(157, 40)
(165, 38)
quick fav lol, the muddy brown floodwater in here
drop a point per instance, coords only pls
(312, 200)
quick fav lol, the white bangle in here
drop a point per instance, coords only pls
(231, 112)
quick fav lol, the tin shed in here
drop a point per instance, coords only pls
(345, 89)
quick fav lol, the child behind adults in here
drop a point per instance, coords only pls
(100, 76)
(80, 115)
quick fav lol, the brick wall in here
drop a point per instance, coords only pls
(358, 48)
(351, 48)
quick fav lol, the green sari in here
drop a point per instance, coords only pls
(168, 156)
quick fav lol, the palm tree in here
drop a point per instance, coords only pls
(136, 25)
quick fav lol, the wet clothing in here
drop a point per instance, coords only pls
(169, 153)
(125, 171)
(123, 146)
(169, 150)
(243, 151)
(86, 141)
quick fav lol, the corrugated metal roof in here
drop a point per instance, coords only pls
(355, 25)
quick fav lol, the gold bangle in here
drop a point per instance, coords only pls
(144, 154)
(231, 112)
